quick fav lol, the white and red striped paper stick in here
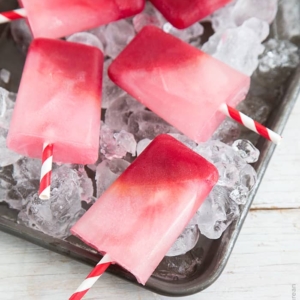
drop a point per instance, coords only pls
(250, 123)
(92, 278)
(45, 182)
(8, 16)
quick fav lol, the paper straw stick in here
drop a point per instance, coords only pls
(8, 16)
(92, 278)
(250, 123)
(45, 182)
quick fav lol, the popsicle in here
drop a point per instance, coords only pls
(183, 14)
(59, 102)
(56, 18)
(148, 206)
(180, 83)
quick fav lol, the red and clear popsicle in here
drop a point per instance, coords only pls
(59, 103)
(183, 85)
(147, 207)
(57, 18)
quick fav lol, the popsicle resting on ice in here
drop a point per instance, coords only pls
(59, 102)
(155, 198)
(56, 18)
(178, 82)
(183, 14)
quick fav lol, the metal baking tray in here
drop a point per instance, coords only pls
(211, 255)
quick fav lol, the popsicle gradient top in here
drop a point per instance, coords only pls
(59, 102)
(142, 213)
(59, 18)
(178, 82)
(184, 13)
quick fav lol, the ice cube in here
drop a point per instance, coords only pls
(237, 179)
(6, 107)
(259, 27)
(118, 35)
(5, 75)
(7, 157)
(110, 91)
(217, 213)
(141, 146)
(56, 216)
(184, 140)
(222, 18)
(192, 32)
(145, 124)
(245, 9)
(149, 16)
(99, 32)
(143, 19)
(185, 242)
(239, 48)
(86, 38)
(85, 185)
(227, 132)
(246, 150)
(116, 145)
(119, 111)
(107, 172)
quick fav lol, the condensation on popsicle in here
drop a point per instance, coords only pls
(59, 102)
(57, 18)
(184, 13)
(154, 198)
(178, 82)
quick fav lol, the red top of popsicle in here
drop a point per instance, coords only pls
(183, 13)
(167, 153)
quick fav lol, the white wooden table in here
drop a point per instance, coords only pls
(264, 265)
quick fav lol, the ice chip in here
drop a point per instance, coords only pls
(85, 38)
(142, 144)
(107, 172)
(246, 150)
(227, 132)
(116, 145)
(222, 18)
(248, 177)
(85, 185)
(110, 91)
(127, 141)
(55, 216)
(7, 105)
(245, 9)
(184, 140)
(118, 34)
(145, 124)
(239, 48)
(259, 27)
(239, 195)
(5, 75)
(7, 157)
(187, 34)
(118, 113)
(185, 242)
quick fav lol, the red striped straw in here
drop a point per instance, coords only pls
(45, 182)
(92, 278)
(12, 15)
(250, 124)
